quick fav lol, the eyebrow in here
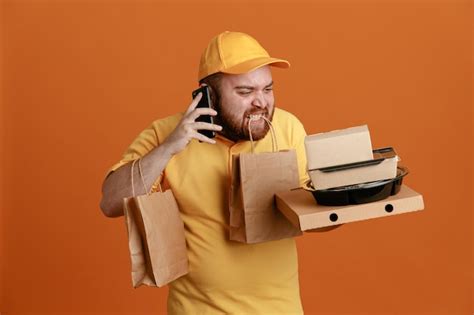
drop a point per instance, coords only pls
(248, 87)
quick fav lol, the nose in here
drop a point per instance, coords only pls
(259, 101)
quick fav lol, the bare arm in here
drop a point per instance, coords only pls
(118, 184)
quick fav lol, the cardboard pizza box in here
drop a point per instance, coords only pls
(301, 209)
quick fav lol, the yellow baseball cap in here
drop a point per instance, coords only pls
(235, 53)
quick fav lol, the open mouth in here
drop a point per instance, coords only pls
(255, 116)
(255, 120)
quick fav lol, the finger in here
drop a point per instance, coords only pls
(201, 111)
(203, 138)
(194, 103)
(198, 125)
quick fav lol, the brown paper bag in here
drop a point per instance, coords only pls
(255, 179)
(155, 237)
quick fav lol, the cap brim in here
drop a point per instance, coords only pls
(253, 64)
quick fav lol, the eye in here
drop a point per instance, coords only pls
(268, 90)
(244, 93)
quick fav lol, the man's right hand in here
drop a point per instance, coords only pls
(188, 127)
(118, 185)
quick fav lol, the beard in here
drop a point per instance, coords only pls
(236, 126)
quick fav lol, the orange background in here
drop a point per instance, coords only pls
(81, 79)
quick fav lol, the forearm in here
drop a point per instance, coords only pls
(118, 184)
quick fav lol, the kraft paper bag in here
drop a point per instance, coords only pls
(255, 179)
(155, 237)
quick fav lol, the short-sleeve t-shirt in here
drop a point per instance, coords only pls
(225, 277)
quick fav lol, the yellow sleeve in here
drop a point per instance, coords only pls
(146, 141)
(298, 139)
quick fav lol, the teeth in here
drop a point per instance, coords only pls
(255, 117)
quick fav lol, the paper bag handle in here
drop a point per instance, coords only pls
(141, 175)
(269, 123)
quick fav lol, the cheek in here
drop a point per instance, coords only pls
(239, 112)
(269, 99)
(230, 111)
(236, 107)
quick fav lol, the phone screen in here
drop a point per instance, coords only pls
(205, 102)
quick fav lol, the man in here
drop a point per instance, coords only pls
(224, 276)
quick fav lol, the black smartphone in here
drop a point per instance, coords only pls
(205, 102)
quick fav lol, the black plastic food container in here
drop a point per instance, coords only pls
(359, 193)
